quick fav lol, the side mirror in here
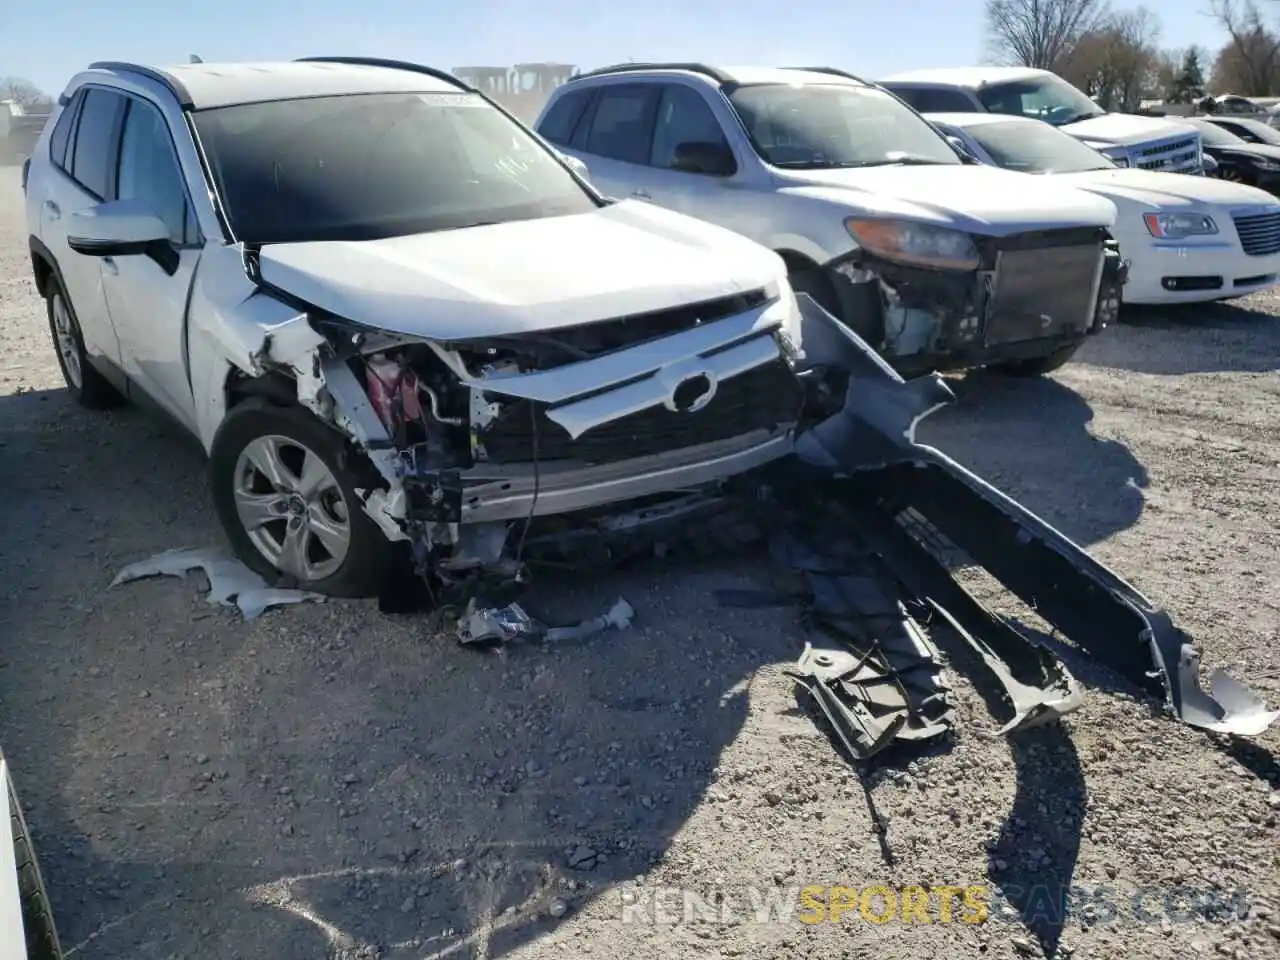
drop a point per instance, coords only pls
(705, 157)
(962, 148)
(577, 166)
(122, 228)
(1209, 165)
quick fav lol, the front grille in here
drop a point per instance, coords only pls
(770, 397)
(1173, 156)
(1259, 233)
(1042, 292)
(570, 344)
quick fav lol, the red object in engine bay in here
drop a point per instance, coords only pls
(393, 391)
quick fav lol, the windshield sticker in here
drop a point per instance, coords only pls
(451, 100)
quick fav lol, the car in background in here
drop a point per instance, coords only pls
(27, 930)
(935, 261)
(1239, 160)
(1186, 238)
(393, 317)
(1247, 129)
(1147, 143)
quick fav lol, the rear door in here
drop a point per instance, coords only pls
(82, 176)
(147, 300)
(614, 139)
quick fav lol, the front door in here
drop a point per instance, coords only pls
(148, 300)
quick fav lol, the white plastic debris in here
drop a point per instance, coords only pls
(485, 625)
(231, 583)
(619, 618)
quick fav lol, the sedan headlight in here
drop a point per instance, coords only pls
(1176, 226)
(915, 243)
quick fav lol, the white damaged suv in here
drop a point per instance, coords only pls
(937, 263)
(391, 313)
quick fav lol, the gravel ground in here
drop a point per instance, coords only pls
(328, 780)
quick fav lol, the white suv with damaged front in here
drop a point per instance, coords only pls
(391, 314)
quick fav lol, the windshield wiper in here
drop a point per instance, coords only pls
(1077, 117)
(906, 160)
(805, 164)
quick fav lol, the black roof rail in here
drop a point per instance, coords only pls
(391, 65)
(835, 72)
(168, 80)
(719, 76)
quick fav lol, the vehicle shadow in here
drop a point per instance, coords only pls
(326, 778)
(1196, 338)
(1031, 439)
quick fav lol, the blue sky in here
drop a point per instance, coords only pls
(48, 42)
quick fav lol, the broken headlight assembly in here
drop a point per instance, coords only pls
(1179, 226)
(917, 244)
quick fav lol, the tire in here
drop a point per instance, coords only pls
(89, 388)
(37, 918)
(259, 437)
(1037, 366)
(819, 286)
(867, 322)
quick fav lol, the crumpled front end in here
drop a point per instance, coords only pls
(1026, 296)
(477, 438)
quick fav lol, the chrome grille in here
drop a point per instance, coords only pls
(1172, 156)
(1259, 233)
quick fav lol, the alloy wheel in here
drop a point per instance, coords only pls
(64, 333)
(292, 508)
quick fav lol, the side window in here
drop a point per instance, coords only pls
(557, 126)
(683, 117)
(620, 129)
(1242, 132)
(938, 100)
(60, 139)
(97, 137)
(150, 172)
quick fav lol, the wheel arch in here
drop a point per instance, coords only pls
(44, 267)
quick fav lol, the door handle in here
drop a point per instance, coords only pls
(110, 267)
(641, 194)
(54, 210)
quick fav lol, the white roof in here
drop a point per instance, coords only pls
(749, 74)
(225, 84)
(744, 74)
(970, 78)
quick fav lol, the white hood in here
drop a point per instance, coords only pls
(976, 199)
(1152, 189)
(512, 278)
(1125, 129)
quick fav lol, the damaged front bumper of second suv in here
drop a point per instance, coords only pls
(1033, 296)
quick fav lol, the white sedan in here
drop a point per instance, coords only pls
(1188, 239)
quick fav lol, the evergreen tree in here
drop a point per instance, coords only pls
(1189, 83)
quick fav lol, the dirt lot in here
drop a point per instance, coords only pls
(329, 780)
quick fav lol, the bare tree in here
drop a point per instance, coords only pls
(26, 94)
(1039, 33)
(1118, 62)
(1249, 62)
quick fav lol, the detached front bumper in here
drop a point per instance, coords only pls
(1034, 294)
(1180, 272)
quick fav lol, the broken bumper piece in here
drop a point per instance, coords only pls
(867, 454)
